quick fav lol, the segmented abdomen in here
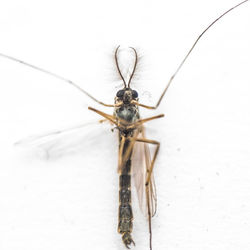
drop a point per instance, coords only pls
(125, 223)
(125, 210)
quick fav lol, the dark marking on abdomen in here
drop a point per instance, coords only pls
(125, 223)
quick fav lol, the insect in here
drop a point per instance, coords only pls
(127, 121)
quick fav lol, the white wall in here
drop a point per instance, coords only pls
(70, 200)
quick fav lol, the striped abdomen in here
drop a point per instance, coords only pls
(125, 210)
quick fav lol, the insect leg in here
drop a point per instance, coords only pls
(121, 147)
(111, 118)
(187, 55)
(56, 76)
(149, 171)
(134, 138)
(125, 215)
(148, 179)
(141, 121)
(149, 218)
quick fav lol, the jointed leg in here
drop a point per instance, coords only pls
(149, 171)
(106, 116)
(141, 121)
(149, 217)
(121, 147)
(144, 140)
(148, 181)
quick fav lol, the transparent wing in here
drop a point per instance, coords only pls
(58, 143)
(140, 165)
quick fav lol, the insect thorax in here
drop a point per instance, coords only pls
(128, 113)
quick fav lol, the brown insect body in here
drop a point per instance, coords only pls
(126, 113)
(127, 121)
(125, 214)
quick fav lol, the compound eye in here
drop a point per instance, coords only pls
(120, 93)
(134, 94)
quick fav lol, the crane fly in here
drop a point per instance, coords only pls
(131, 133)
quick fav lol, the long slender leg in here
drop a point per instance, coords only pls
(149, 218)
(56, 76)
(125, 215)
(152, 188)
(144, 140)
(148, 179)
(141, 121)
(130, 147)
(133, 139)
(187, 55)
(121, 147)
(143, 105)
(134, 125)
(106, 116)
(149, 172)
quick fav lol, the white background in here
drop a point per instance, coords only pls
(70, 200)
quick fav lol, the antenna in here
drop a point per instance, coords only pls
(111, 105)
(117, 66)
